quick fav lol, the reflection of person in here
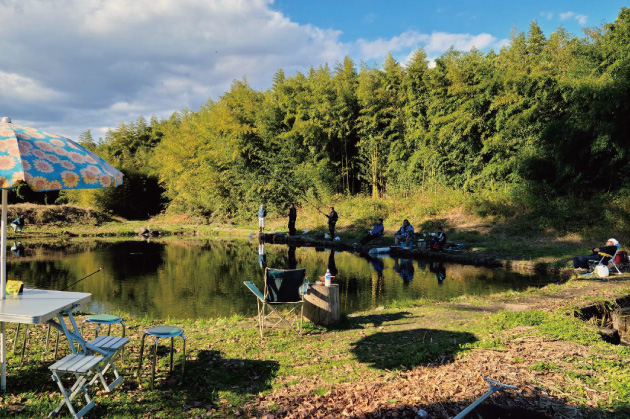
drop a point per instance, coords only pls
(17, 249)
(18, 224)
(262, 258)
(611, 247)
(262, 213)
(405, 234)
(439, 270)
(438, 240)
(292, 217)
(332, 221)
(377, 265)
(292, 262)
(377, 231)
(332, 267)
(405, 269)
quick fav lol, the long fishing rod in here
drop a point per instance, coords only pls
(86, 276)
(317, 208)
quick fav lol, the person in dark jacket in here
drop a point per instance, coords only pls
(611, 247)
(376, 232)
(438, 240)
(405, 234)
(292, 217)
(332, 221)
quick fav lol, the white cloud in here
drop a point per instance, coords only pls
(105, 61)
(547, 15)
(76, 64)
(380, 47)
(436, 42)
(582, 19)
(24, 89)
(440, 41)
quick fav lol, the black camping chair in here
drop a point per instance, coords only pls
(283, 287)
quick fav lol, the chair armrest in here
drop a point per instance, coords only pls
(253, 288)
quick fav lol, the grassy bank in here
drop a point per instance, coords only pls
(386, 362)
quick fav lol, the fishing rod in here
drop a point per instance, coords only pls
(317, 208)
(86, 276)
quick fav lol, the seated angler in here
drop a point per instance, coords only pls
(404, 236)
(376, 232)
(438, 240)
(606, 252)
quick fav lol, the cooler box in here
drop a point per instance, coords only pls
(621, 257)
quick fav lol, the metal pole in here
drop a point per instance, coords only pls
(3, 284)
(3, 244)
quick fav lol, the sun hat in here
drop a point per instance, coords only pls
(614, 241)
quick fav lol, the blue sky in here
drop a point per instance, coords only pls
(73, 65)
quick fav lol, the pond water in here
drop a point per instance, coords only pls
(204, 278)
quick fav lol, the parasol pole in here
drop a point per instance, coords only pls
(3, 244)
(3, 284)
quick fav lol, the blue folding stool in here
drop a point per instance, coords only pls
(162, 332)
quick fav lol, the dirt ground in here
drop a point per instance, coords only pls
(445, 389)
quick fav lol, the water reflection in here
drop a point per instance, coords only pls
(262, 257)
(439, 270)
(18, 249)
(204, 278)
(404, 268)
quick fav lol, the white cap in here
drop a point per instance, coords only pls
(614, 241)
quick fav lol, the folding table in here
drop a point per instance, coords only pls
(34, 306)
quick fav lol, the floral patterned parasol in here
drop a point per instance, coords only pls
(50, 162)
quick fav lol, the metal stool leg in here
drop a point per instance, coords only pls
(184, 360)
(24, 344)
(154, 362)
(141, 353)
(47, 337)
(170, 369)
(15, 339)
(56, 345)
(122, 355)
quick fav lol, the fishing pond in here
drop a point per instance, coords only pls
(203, 278)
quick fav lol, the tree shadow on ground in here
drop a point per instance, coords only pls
(205, 376)
(409, 348)
(376, 320)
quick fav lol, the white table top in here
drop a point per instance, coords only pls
(38, 306)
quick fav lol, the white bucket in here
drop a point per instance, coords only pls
(602, 271)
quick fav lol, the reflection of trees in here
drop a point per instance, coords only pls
(41, 274)
(204, 278)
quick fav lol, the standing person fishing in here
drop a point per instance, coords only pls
(332, 221)
(262, 213)
(292, 217)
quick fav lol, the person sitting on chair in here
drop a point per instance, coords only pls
(611, 247)
(376, 232)
(18, 224)
(405, 234)
(438, 240)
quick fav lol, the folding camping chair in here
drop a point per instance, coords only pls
(282, 287)
(108, 347)
(606, 260)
